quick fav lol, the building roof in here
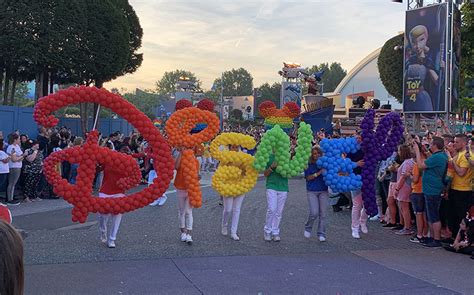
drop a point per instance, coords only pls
(352, 73)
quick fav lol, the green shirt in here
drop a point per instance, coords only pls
(275, 181)
(432, 179)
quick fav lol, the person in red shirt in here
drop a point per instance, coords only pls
(110, 189)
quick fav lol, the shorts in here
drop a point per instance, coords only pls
(418, 202)
(391, 189)
(432, 205)
(404, 194)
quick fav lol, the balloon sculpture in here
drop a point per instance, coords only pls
(90, 154)
(282, 117)
(235, 175)
(178, 128)
(334, 164)
(5, 214)
(276, 141)
(377, 146)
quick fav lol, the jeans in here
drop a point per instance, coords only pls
(232, 207)
(318, 207)
(185, 211)
(12, 180)
(3, 182)
(359, 216)
(114, 220)
(275, 205)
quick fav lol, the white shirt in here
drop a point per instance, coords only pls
(14, 148)
(3, 166)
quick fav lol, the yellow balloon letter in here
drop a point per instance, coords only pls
(235, 175)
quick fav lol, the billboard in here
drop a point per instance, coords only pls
(424, 89)
(291, 91)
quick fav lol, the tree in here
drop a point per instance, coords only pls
(267, 92)
(145, 101)
(467, 44)
(390, 64)
(237, 82)
(236, 114)
(333, 74)
(467, 104)
(167, 84)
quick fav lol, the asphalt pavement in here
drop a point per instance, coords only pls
(63, 257)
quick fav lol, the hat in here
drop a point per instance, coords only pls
(5, 214)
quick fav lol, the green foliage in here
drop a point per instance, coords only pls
(390, 64)
(167, 84)
(333, 74)
(145, 101)
(237, 82)
(267, 92)
(467, 103)
(467, 42)
(74, 41)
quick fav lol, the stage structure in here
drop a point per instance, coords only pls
(431, 62)
(316, 109)
(186, 89)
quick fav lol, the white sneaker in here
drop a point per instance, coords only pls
(355, 233)
(162, 200)
(363, 228)
(276, 238)
(183, 237)
(155, 202)
(224, 231)
(267, 237)
(307, 234)
(235, 237)
(111, 244)
(322, 239)
(103, 237)
(374, 218)
(189, 240)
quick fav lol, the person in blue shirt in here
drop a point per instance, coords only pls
(318, 196)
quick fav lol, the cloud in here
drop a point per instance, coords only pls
(208, 37)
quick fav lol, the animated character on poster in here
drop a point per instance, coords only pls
(424, 61)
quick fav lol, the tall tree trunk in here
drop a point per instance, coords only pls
(45, 82)
(96, 114)
(38, 88)
(84, 117)
(1, 79)
(7, 85)
(51, 84)
(12, 94)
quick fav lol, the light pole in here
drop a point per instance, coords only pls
(222, 102)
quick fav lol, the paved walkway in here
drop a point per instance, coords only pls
(66, 258)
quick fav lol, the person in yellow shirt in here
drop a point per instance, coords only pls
(460, 194)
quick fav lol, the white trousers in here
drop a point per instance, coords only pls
(114, 220)
(185, 211)
(275, 205)
(232, 207)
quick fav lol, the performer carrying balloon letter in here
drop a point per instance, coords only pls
(318, 196)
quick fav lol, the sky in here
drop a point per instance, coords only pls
(209, 37)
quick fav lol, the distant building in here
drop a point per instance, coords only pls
(363, 78)
(243, 103)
